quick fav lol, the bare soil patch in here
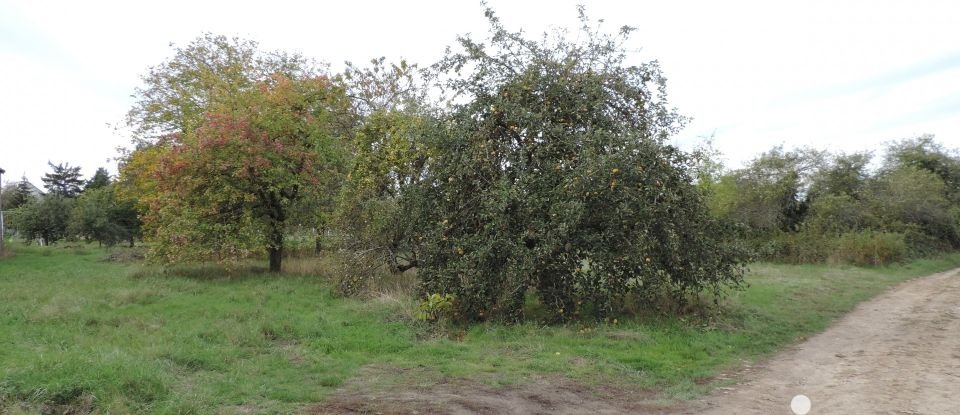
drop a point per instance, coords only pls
(553, 396)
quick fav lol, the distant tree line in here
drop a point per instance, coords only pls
(72, 209)
(806, 205)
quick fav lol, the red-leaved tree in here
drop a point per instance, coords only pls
(226, 189)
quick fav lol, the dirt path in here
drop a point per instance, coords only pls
(896, 354)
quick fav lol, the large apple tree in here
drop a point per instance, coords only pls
(555, 178)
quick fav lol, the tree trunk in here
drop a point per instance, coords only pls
(318, 241)
(276, 256)
(275, 249)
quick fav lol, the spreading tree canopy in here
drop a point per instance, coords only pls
(230, 139)
(554, 174)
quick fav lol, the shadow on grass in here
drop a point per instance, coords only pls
(322, 267)
(205, 272)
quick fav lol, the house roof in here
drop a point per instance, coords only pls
(34, 190)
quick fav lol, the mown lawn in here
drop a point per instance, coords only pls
(80, 333)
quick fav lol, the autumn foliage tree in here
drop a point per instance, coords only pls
(228, 190)
(223, 158)
(201, 75)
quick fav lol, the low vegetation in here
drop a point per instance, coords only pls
(89, 331)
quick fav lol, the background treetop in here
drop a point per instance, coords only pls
(480, 70)
(176, 92)
(64, 180)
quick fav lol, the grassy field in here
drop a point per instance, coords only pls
(84, 334)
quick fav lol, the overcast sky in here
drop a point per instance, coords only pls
(841, 75)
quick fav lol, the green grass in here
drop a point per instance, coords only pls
(78, 332)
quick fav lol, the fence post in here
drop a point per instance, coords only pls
(3, 223)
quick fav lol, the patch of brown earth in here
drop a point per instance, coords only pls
(553, 396)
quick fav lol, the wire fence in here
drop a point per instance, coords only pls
(5, 224)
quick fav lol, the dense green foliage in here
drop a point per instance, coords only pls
(810, 206)
(768, 194)
(44, 219)
(550, 172)
(99, 215)
(555, 176)
(392, 148)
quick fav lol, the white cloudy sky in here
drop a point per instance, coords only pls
(842, 74)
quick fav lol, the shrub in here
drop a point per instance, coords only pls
(870, 248)
(436, 307)
(835, 213)
(800, 247)
(907, 198)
